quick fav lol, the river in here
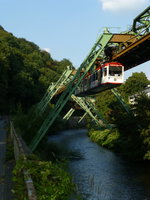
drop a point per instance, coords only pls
(101, 174)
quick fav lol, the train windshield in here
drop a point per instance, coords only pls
(113, 70)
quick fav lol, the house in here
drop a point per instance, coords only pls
(132, 97)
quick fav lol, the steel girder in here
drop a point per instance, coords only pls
(141, 23)
(53, 88)
(90, 109)
(121, 100)
(69, 114)
(96, 51)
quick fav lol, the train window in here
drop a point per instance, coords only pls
(105, 71)
(113, 70)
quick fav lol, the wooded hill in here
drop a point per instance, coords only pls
(25, 72)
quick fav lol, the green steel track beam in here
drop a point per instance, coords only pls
(95, 52)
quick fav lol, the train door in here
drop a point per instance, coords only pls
(100, 76)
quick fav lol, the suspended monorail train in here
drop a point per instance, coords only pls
(106, 76)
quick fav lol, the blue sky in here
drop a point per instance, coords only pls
(69, 28)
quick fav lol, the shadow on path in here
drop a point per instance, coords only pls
(5, 167)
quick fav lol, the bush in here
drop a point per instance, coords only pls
(112, 139)
(106, 138)
(145, 134)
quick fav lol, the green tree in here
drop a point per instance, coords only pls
(135, 83)
(25, 72)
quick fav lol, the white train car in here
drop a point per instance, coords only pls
(106, 76)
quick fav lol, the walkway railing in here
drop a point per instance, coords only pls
(19, 152)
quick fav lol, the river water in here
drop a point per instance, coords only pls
(101, 174)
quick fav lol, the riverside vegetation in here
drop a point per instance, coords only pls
(51, 181)
(131, 137)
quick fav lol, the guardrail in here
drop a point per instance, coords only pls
(20, 152)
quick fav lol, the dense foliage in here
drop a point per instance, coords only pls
(25, 72)
(132, 133)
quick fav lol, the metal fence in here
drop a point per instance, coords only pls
(19, 152)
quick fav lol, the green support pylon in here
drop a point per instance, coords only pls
(121, 100)
(90, 110)
(97, 113)
(51, 91)
(96, 51)
(81, 118)
(69, 114)
(53, 88)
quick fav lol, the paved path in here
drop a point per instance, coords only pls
(2, 157)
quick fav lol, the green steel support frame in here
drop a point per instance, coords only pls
(96, 51)
(90, 110)
(94, 110)
(82, 117)
(87, 105)
(69, 114)
(121, 100)
(51, 91)
(53, 88)
(142, 22)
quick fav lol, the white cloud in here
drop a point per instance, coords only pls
(46, 49)
(123, 5)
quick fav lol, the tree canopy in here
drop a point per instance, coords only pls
(25, 71)
(135, 83)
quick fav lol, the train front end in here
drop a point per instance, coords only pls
(114, 74)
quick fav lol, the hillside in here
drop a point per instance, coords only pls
(25, 72)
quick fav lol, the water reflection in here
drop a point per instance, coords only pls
(101, 174)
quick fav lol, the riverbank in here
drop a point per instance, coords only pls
(122, 144)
